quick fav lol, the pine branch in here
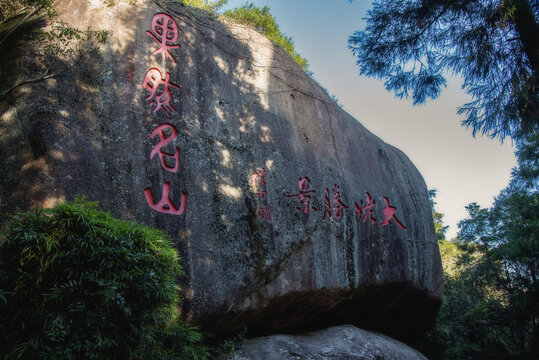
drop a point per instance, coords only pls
(20, 23)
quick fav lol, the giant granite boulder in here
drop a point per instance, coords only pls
(288, 213)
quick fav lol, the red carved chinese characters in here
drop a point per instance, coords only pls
(264, 212)
(337, 204)
(165, 32)
(160, 89)
(389, 213)
(369, 207)
(165, 205)
(259, 182)
(327, 205)
(304, 194)
(164, 140)
(335, 207)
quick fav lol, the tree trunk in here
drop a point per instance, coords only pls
(528, 31)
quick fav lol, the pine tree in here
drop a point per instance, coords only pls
(493, 44)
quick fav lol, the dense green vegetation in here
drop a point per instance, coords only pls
(264, 23)
(492, 45)
(212, 6)
(490, 308)
(76, 283)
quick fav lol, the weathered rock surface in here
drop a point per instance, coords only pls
(344, 342)
(242, 105)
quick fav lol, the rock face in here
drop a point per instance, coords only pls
(344, 342)
(288, 213)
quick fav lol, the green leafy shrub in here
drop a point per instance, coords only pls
(212, 6)
(76, 283)
(264, 23)
(179, 341)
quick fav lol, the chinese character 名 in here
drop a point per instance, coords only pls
(164, 140)
(165, 205)
(165, 32)
(389, 213)
(153, 81)
(304, 197)
(260, 183)
(369, 207)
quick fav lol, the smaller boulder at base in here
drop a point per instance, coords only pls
(344, 342)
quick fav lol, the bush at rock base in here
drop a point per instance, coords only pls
(76, 283)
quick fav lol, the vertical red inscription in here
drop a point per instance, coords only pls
(165, 32)
(304, 194)
(369, 208)
(164, 140)
(165, 205)
(264, 212)
(389, 213)
(160, 96)
(260, 183)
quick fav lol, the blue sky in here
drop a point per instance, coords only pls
(463, 169)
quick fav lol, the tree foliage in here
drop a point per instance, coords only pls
(212, 6)
(76, 283)
(492, 44)
(264, 23)
(526, 175)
